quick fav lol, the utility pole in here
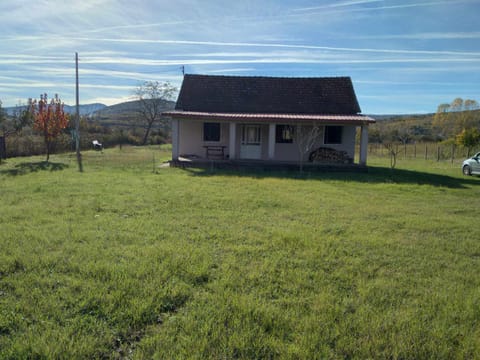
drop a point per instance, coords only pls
(77, 119)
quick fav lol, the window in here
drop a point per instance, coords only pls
(211, 131)
(333, 135)
(251, 135)
(284, 134)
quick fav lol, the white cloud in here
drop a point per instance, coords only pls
(338, 5)
(107, 100)
(350, 6)
(425, 36)
(229, 70)
(383, 45)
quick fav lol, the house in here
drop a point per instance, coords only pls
(269, 119)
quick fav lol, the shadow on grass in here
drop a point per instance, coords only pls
(373, 175)
(30, 167)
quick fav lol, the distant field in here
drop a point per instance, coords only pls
(133, 260)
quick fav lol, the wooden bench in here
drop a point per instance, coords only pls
(215, 151)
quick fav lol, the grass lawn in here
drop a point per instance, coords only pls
(131, 260)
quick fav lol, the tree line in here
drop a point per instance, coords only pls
(456, 123)
(43, 127)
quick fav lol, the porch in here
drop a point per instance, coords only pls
(253, 139)
(262, 165)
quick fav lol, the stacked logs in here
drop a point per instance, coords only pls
(328, 155)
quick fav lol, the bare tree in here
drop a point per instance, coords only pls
(306, 138)
(153, 96)
(393, 151)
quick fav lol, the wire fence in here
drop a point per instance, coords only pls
(424, 151)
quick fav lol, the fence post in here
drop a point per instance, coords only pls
(438, 153)
(3, 148)
(453, 152)
(426, 151)
(415, 150)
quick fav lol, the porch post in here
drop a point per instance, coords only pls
(363, 144)
(271, 141)
(232, 141)
(175, 139)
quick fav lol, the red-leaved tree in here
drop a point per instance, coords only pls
(49, 119)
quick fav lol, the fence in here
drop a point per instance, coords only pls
(3, 149)
(425, 151)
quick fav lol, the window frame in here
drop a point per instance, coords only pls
(281, 131)
(333, 135)
(212, 131)
(247, 131)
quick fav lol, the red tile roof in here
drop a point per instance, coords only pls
(322, 118)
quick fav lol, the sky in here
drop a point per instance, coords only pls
(403, 56)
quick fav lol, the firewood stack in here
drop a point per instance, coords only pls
(328, 155)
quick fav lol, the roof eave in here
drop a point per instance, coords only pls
(321, 118)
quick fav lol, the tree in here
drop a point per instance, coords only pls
(22, 117)
(3, 118)
(443, 108)
(468, 138)
(393, 151)
(13, 124)
(49, 119)
(306, 138)
(153, 96)
(456, 105)
(470, 104)
(452, 118)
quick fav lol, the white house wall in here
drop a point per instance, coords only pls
(291, 152)
(348, 141)
(191, 141)
(191, 137)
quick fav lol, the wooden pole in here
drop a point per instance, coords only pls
(77, 118)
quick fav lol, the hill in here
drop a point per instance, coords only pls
(387, 117)
(123, 113)
(85, 110)
(423, 127)
(118, 114)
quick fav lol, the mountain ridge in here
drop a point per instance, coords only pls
(85, 109)
(101, 111)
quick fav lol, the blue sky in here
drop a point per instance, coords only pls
(404, 56)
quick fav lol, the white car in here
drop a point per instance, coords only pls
(472, 166)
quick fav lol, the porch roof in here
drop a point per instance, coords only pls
(253, 117)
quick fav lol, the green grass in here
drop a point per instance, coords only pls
(131, 260)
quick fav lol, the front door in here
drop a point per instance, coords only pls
(251, 145)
